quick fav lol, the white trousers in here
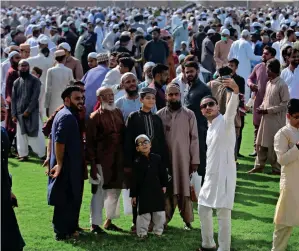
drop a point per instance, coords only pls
(281, 237)
(207, 233)
(143, 221)
(38, 144)
(108, 199)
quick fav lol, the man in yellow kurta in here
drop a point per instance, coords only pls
(286, 145)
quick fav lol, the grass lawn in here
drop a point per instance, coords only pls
(252, 217)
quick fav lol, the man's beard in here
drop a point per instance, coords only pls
(24, 74)
(14, 64)
(132, 93)
(106, 106)
(174, 105)
(192, 80)
(148, 79)
(74, 108)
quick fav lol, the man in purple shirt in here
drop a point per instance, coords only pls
(257, 82)
(93, 80)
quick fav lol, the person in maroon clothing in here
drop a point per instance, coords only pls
(257, 82)
(12, 75)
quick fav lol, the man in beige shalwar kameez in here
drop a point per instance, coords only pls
(180, 128)
(286, 145)
(273, 110)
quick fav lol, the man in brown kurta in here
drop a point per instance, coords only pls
(273, 110)
(180, 128)
(222, 48)
(104, 142)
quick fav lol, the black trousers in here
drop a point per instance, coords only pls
(202, 155)
(239, 139)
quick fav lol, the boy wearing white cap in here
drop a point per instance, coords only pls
(148, 187)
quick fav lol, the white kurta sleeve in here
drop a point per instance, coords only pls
(48, 89)
(231, 109)
(285, 155)
(250, 54)
(231, 53)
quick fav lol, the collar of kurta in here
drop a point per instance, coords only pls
(215, 120)
(275, 80)
(145, 113)
(292, 127)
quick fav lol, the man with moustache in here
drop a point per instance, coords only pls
(257, 82)
(197, 90)
(25, 113)
(65, 174)
(148, 76)
(104, 143)
(180, 129)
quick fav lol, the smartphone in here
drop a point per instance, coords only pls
(227, 88)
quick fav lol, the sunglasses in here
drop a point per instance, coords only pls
(143, 143)
(208, 104)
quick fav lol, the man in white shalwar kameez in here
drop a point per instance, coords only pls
(286, 146)
(241, 50)
(218, 190)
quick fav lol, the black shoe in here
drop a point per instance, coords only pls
(254, 154)
(60, 237)
(97, 230)
(188, 226)
(240, 155)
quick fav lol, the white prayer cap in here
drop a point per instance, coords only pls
(245, 33)
(115, 27)
(139, 29)
(297, 33)
(142, 136)
(148, 65)
(256, 24)
(181, 57)
(179, 11)
(225, 32)
(43, 40)
(65, 46)
(12, 54)
(149, 30)
(260, 19)
(20, 28)
(92, 55)
(113, 18)
(64, 23)
(293, 23)
(42, 23)
(69, 19)
(98, 20)
(211, 31)
(84, 25)
(125, 75)
(6, 50)
(184, 42)
(59, 53)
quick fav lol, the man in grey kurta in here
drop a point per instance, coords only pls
(273, 111)
(25, 112)
(180, 128)
(207, 54)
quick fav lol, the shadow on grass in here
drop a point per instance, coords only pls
(258, 177)
(240, 215)
(250, 184)
(241, 198)
(12, 163)
(255, 191)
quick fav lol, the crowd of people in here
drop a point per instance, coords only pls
(154, 101)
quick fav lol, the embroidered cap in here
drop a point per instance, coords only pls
(102, 57)
(148, 90)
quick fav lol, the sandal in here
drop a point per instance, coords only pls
(112, 227)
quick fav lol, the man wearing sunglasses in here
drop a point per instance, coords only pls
(218, 190)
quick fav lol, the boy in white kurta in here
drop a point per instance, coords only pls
(218, 190)
(286, 146)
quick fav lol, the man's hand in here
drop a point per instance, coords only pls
(55, 171)
(26, 114)
(8, 100)
(14, 119)
(164, 189)
(47, 112)
(261, 111)
(133, 201)
(194, 167)
(253, 87)
(230, 83)
(93, 172)
(47, 164)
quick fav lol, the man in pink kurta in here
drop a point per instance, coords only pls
(222, 48)
(257, 82)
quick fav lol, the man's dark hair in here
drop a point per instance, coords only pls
(159, 68)
(138, 38)
(234, 61)
(286, 52)
(67, 92)
(211, 97)
(224, 71)
(61, 40)
(293, 106)
(114, 54)
(132, 30)
(76, 83)
(271, 50)
(293, 51)
(35, 33)
(189, 58)
(45, 51)
(274, 65)
(59, 59)
(127, 62)
(37, 70)
(124, 39)
(290, 33)
(191, 64)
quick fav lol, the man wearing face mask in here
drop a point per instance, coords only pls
(25, 113)
(222, 49)
(180, 34)
(181, 135)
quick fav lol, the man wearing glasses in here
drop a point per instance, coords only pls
(218, 190)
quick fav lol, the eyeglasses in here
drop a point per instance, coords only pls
(208, 104)
(143, 143)
(173, 94)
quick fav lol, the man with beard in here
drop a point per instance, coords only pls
(180, 129)
(65, 175)
(197, 90)
(130, 102)
(25, 113)
(156, 50)
(11, 76)
(104, 142)
(276, 45)
(148, 76)
(11, 238)
(257, 82)
(113, 60)
(273, 117)
(160, 78)
(144, 122)
(291, 74)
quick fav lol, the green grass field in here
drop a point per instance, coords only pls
(252, 217)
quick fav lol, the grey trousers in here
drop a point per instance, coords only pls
(144, 220)
(264, 153)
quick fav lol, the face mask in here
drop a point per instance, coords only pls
(65, 29)
(223, 38)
